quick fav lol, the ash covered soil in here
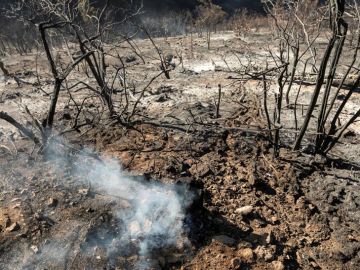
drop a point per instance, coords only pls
(192, 191)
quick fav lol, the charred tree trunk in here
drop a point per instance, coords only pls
(337, 9)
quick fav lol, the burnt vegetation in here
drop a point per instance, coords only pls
(237, 169)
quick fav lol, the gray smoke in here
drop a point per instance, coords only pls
(154, 218)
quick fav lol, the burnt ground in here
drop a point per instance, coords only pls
(252, 212)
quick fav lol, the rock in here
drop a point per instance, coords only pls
(1, 228)
(244, 211)
(84, 191)
(246, 255)
(52, 202)
(224, 239)
(236, 263)
(277, 265)
(274, 219)
(13, 228)
(35, 249)
(264, 253)
(270, 238)
(200, 170)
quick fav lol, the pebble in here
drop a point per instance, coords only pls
(84, 191)
(274, 219)
(35, 249)
(270, 238)
(244, 211)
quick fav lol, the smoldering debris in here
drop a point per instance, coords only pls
(148, 215)
(153, 222)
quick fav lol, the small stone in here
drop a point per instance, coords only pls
(13, 228)
(277, 265)
(270, 238)
(264, 253)
(224, 239)
(201, 170)
(244, 211)
(274, 219)
(35, 249)
(246, 255)
(236, 263)
(84, 191)
(52, 202)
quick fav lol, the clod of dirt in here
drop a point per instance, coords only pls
(235, 263)
(246, 255)
(201, 170)
(278, 265)
(267, 254)
(224, 239)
